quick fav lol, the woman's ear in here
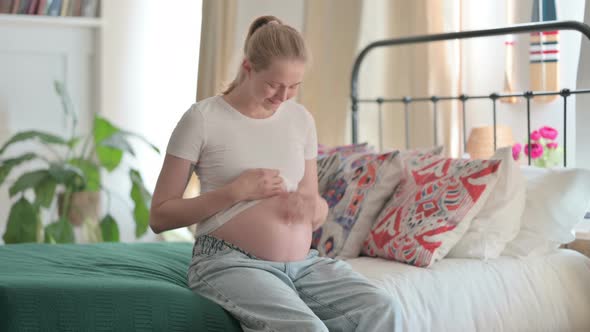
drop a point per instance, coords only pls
(247, 66)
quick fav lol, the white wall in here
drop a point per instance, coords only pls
(583, 109)
(150, 61)
(484, 58)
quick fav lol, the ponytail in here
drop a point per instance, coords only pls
(269, 38)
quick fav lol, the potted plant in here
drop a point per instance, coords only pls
(544, 150)
(70, 177)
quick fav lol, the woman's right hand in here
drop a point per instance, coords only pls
(257, 183)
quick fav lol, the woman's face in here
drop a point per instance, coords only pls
(276, 84)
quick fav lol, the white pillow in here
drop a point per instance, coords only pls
(499, 220)
(556, 200)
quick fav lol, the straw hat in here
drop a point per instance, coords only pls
(480, 144)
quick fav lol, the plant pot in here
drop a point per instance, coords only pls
(83, 205)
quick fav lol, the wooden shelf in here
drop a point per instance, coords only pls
(66, 21)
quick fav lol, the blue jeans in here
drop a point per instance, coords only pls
(315, 294)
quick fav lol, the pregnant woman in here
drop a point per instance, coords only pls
(255, 150)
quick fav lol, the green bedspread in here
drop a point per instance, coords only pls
(103, 287)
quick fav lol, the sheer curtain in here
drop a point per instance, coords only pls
(217, 46)
(331, 30)
(411, 70)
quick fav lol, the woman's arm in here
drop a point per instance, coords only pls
(169, 210)
(321, 212)
(313, 203)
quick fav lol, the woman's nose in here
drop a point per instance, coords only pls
(282, 94)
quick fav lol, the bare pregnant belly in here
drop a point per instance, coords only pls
(264, 231)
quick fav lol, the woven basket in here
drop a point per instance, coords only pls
(480, 144)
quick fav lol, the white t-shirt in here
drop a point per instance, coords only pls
(223, 143)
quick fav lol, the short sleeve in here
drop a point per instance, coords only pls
(188, 136)
(311, 140)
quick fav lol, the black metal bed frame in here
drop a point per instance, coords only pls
(407, 100)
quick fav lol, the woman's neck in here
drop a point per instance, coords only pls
(239, 99)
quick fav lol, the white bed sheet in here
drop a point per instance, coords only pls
(548, 293)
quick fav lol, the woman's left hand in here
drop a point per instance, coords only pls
(298, 208)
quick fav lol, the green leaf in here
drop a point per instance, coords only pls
(118, 141)
(109, 229)
(92, 231)
(7, 165)
(23, 221)
(90, 171)
(103, 129)
(74, 141)
(60, 231)
(141, 199)
(109, 157)
(45, 191)
(128, 133)
(33, 134)
(69, 175)
(65, 99)
(28, 180)
(49, 239)
(59, 87)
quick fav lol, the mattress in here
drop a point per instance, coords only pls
(103, 287)
(548, 293)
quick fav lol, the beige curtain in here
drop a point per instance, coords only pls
(411, 70)
(217, 46)
(444, 64)
(331, 30)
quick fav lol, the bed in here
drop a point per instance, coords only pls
(142, 286)
(547, 293)
(103, 287)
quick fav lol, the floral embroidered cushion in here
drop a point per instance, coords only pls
(330, 160)
(343, 150)
(355, 195)
(431, 208)
(327, 167)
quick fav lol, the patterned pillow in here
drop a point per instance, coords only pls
(343, 150)
(327, 167)
(355, 195)
(330, 160)
(431, 208)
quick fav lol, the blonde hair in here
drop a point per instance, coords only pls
(268, 38)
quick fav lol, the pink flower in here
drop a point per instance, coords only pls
(516, 148)
(535, 136)
(552, 145)
(548, 132)
(536, 150)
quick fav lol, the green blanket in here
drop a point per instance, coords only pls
(103, 287)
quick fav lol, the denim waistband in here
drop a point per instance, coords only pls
(209, 245)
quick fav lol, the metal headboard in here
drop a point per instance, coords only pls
(520, 28)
